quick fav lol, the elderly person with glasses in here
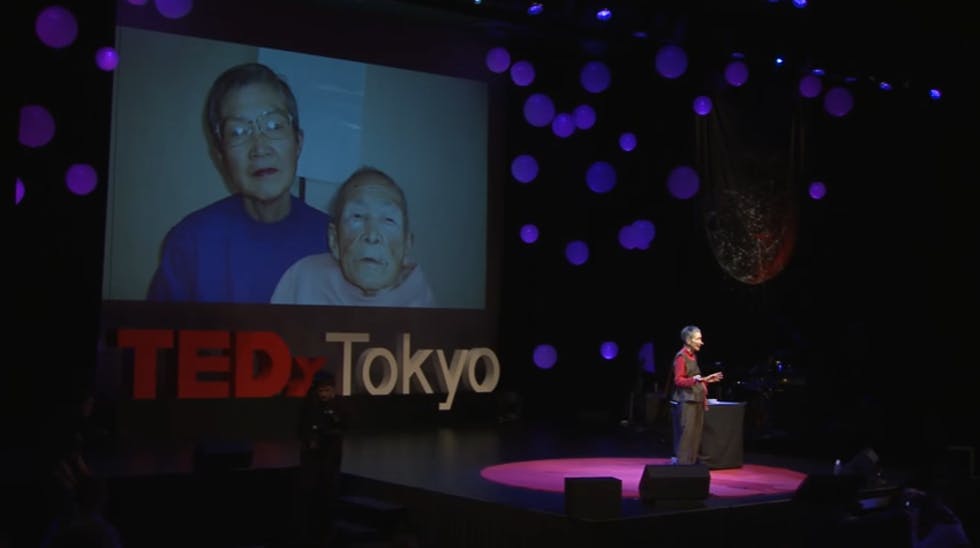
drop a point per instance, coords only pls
(236, 249)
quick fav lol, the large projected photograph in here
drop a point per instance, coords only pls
(246, 174)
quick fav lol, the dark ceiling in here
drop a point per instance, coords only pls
(914, 40)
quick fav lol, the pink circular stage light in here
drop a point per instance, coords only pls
(549, 475)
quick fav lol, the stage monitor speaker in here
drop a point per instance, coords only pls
(829, 489)
(593, 498)
(678, 482)
(217, 456)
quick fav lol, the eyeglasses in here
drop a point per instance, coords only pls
(274, 125)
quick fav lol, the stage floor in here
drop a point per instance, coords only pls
(518, 464)
(485, 485)
(524, 465)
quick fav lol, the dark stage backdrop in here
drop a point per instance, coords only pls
(831, 343)
(865, 307)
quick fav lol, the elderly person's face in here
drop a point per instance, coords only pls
(695, 341)
(370, 239)
(259, 152)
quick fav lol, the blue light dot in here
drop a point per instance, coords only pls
(81, 179)
(627, 142)
(577, 252)
(609, 350)
(522, 73)
(56, 27)
(683, 182)
(539, 110)
(595, 77)
(702, 105)
(524, 168)
(529, 234)
(584, 116)
(817, 190)
(671, 61)
(545, 356)
(498, 60)
(601, 177)
(563, 125)
(107, 59)
(174, 9)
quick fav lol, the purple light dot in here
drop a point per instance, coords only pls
(683, 182)
(601, 177)
(609, 350)
(671, 61)
(702, 105)
(737, 73)
(584, 116)
(810, 86)
(36, 126)
(638, 235)
(529, 234)
(81, 179)
(838, 102)
(818, 190)
(174, 9)
(563, 125)
(19, 191)
(107, 59)
(628, 238)
(577, 252)
(646, 230)
(545, 356)
(647, 357)
(522, 73)
(138, 2)
(524, 168)
(498, 60)
(627, 142)
(56, 27)
(539, 110)
(595, 77)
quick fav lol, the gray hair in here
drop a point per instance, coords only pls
(689, 332)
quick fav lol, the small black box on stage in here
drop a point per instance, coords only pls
(674, 482)
(593, 498)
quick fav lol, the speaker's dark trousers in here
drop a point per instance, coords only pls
(688, 423)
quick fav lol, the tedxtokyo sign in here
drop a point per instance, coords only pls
(259, 364)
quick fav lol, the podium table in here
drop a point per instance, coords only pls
(721, 441)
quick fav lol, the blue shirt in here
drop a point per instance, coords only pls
(221, 254)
